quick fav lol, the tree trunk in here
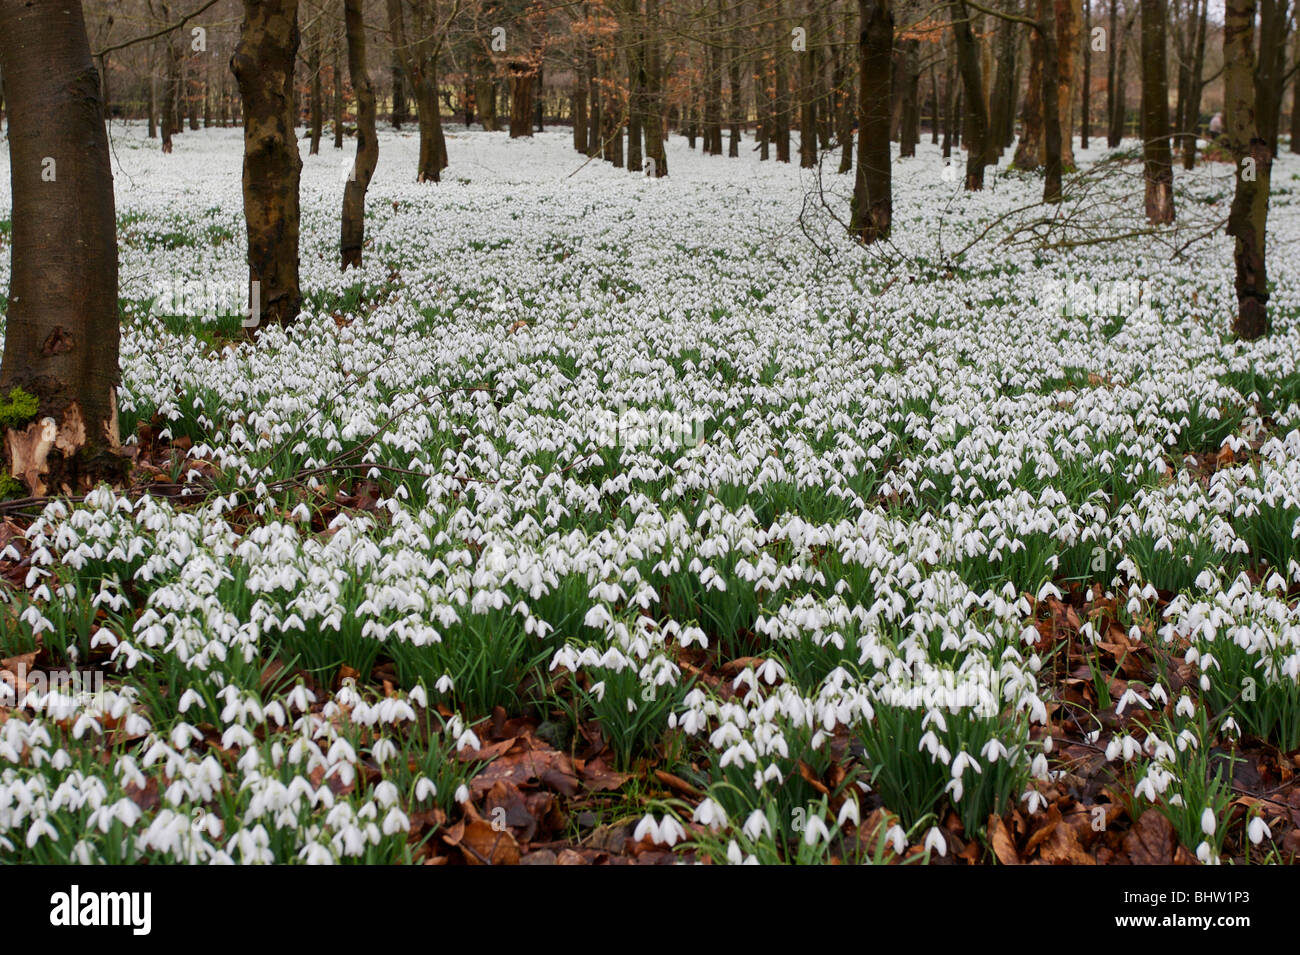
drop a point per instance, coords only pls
(1295, 102)
(846, 104)
(1119, 104)
(654, 95)
(635, 84)
(1248, 217)
(1068, 16)
(418, 60)
(781, 130)
(363, 167)
(171, 90)
(338, 97)
(1053, 158)
(1085, 110)
(1156, 155)
(807, 99)
(61, 334)
(872, 206)
(263, 67)
(521, 99)
(317, 93)
(1195, 87)
(1028, 155)
(399, 95)
(1003, 89)
(1270, 70)
(735, 110)
(977, 117)
(151, 90)
(909, 133)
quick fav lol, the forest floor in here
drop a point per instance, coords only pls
(602, 519)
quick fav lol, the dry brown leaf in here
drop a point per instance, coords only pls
(1004, 847)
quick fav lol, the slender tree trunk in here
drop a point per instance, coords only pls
(1270, 69)
(654, 135)
(1248, 217)
(521, 99)
(949, 109)
(1053, 158)
(1003, 84)
(171, 90)
(976, 115)
(1068, 17)
(781, 132)
(338, 97)
(872, 206)
(61, 333)
(151, 89)
(909, 133)
(735, 110)
(1157, 158)
(363, 167)
(1085, 111)
(807, 98)
(263, 67)
(847, 103)
(1295, 101)
(934, 106)
(317, 93)
(635, 57)
(399, 95)
(1195, 87)
(1119, 103)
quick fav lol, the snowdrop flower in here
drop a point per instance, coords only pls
(1258, 830)
(934, 841)
(897, 839)
(1208, 821)
(815, 830)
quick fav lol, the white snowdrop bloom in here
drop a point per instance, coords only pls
(395, 821)
(648, 827)
(897, 839)
(425, 789)
(710, 814)
(848, 813)
(756, 826)
(1209, 822)
(1258, 830)
(934, 841)
(462, 794)
(815, 830)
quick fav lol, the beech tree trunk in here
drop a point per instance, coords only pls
(399, 95)
(872, 205)
(909, 131)
(1068, 18)
(521, 99)
(1195, 87)
(976, 115)
(416, 51)
(363, 167)
(1053, 158)
(1270, 69)
(317, 93)
(338, 97)
(1248, 217)
(654, 94)
(263, 67)
(1000, 101)
(61, 335)
(1085, 90)
(1156, 155)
